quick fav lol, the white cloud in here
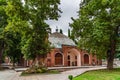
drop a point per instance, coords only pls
(69, 9)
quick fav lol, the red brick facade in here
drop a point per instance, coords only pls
(70, 56)
(66, 56)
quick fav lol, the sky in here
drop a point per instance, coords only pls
(69, 9)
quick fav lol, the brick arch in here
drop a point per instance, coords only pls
(73, 57)
(58, 59)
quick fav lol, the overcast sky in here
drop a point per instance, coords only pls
(69, 9)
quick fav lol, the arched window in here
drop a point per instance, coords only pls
(68, 57)
(58, 59)
(76, 57)
(86, 59)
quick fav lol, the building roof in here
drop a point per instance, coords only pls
(57, 40)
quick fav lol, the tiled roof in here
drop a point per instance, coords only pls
(57, 40)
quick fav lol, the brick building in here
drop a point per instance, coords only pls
(66, 53)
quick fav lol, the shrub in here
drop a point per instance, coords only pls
(70, 77)
(34, 69)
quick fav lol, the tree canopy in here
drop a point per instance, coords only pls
(3, 23)
(12, 46)
(28, 18)
(97, 27)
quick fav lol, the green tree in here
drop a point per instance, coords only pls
(12, 48)
(13, 31)
(29, 18)
(97, 27)
(3, 23)
(69, 34)
(61, 31)
(37, 44)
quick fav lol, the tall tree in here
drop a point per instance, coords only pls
(97, 27)
(61, 31)
(40, 11)
(12, 48)
(71, 36)
(30, 16)
(17, 23)
(3, 23)
(69, 33)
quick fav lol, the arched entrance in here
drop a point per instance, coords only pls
(58, 59)
(73, 58)
(86, 59)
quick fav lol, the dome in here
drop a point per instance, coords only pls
(57, 40)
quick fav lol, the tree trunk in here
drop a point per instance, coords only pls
(13, 62)
(43, 60)
(111, 52)
(1, 53)
(110, 59)
(0, 57)
(37, 61)
(40, 60)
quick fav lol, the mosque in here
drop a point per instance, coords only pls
(66, 53)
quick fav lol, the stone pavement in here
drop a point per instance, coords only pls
(13, 75)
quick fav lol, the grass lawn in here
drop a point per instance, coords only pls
(100, 75)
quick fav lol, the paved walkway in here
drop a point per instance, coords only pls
(13, 75)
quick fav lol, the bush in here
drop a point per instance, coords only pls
(70, 77)
(39, 71)
(34, 69)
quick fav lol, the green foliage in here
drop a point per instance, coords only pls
(12, 45)
(3, 23)
(71, 36)
(16, 16)
(97, 25)
(34, 69)
(69, 33)
(13, 31)
(3, 16)
(70, 77)
(97, 28)
(23, 27)
(38, 70)
(36, 42)
(28, 18)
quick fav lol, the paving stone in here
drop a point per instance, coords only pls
(13, 75)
